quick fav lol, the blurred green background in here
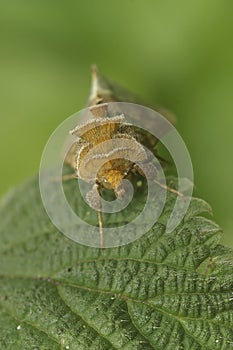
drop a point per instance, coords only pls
(178, 54)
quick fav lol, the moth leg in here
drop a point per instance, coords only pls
(180, 194)
(93, 199)
(100, 219)
(151, 173)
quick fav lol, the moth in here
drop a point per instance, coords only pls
(108, 149)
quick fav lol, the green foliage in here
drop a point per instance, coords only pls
(163, 291)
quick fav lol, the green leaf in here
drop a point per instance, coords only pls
(163, 291)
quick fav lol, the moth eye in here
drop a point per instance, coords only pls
(105, 180)
(125, 173)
